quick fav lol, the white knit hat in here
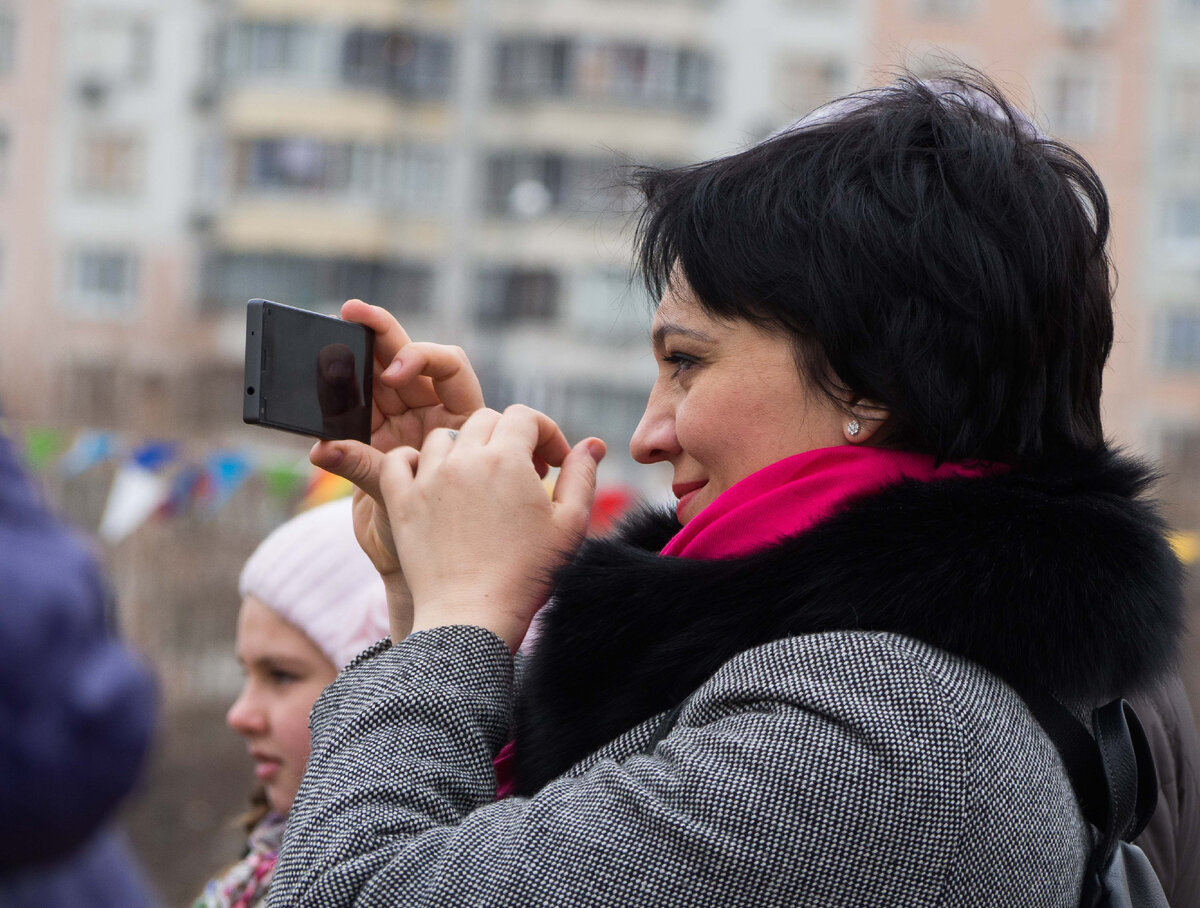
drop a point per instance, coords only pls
(312, 572)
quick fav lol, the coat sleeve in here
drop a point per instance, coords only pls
(765, 793)
(76, 707)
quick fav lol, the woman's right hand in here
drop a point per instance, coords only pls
(417, 387)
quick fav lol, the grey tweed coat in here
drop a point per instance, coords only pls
(849, 739)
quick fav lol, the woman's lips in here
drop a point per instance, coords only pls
(685, 492)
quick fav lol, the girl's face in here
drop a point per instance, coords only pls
(285, 673)
(729, 400)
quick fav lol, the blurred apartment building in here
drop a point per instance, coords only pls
(457, 161)
(162, 161)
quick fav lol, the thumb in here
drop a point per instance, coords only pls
(353, 460)
(576, 486)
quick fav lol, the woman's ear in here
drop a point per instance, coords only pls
(867, 419)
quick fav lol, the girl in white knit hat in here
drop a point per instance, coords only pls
(311, 601)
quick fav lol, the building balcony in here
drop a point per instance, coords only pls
(648, 133)
(323, 227)
(363, 13)
(345, 114)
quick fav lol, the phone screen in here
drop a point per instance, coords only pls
(307, 373)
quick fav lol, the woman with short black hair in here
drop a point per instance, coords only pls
(881, 336)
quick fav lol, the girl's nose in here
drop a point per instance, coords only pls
(244, 716)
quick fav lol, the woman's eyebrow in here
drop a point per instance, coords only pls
(663, 329)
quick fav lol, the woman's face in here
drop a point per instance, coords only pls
(729, 400)
(285, 673)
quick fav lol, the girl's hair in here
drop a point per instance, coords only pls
(258, 806)
(925, 247)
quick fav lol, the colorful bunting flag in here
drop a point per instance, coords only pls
(183, 490)
(285, 480)
(325, 487)
(42, 446)
(153, 455)
(136, 493)
(224, 473)
(89, 449)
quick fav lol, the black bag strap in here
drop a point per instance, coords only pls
(1128, 769)
(1112, 773)
(1113, 777)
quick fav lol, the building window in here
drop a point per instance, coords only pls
(301, 164)
(600, 408)
(412, 66)
(108, 165)
(8, 39)
(528, 185)
(415, 178)
(527, 68)
(103, 283)
(106, 47)
(1183, 115)
(945, 9)
(640, 75)
(512, 295)
(1179, 339)
(267, 49)
(805, 83)
(229, 279)
(1073, 98)
(607, 304)
(1182, 224)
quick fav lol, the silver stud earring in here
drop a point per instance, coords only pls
(853, 428)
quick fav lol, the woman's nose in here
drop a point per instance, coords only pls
(654, 438)
(245, 717)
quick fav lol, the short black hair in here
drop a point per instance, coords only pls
(926, 247)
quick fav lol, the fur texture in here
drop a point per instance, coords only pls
(1059, 578)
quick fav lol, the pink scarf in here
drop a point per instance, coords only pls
(782, 500)
(790, 495)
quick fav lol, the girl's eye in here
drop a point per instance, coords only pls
(279, 676)
(681, 361)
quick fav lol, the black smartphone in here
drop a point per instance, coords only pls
(307, 373)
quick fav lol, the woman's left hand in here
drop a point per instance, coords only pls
(477, 536)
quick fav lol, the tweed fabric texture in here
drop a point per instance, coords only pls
(845, 768)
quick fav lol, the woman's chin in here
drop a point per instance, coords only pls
(689, 506)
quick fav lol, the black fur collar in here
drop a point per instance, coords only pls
(1060, 577)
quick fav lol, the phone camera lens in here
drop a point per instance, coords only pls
(250, 390)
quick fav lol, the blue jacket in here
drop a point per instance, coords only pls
(76, 707)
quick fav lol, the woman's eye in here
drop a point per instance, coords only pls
(681, 361)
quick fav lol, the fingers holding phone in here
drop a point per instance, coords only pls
(417, 387)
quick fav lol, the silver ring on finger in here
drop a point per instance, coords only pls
(453, 433)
